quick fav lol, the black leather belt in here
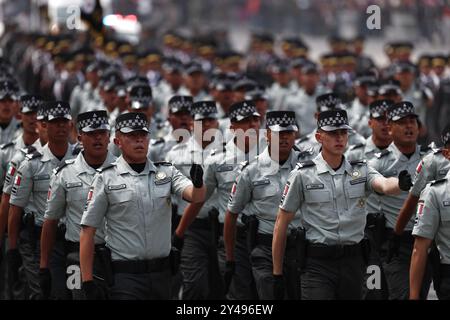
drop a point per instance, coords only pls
(141, 266)
(405, 237)
(444, 270)
(321, 251)
(71, 246)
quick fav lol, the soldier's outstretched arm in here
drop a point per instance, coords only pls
(418, 264)
(406, 213)
(14, 217)
(386, 185)
(87, 252)
(194, 195)
(279, 239)
(189, 215)
(48, 237)
(229, 234)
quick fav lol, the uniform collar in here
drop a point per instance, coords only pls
(399, 155)
(123, 167)
(83, 166)
(323, 167)
(266, 161)
(47, 155)
(370, 146)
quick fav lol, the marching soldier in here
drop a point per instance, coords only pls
(29, 200)
(257, 193)
(9, 126)
(330, 193)
(402, 155)
(133, 196)
(68, 192)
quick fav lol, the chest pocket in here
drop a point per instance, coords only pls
(317, 196)
(227, 177)
(41, 183)
(120, 196)
(264, 191)
(162, 190)
(356, 190)
(445, 212)
(77, 193)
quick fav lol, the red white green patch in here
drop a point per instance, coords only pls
(420, 206)
(419, 167)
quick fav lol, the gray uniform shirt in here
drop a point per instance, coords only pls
(259, 188)
(32, 181)
(68, 192)
(433, 216)
(159, 148)
(434, 166)
(390, 163)
(11, 132)
(7, 151)
(332, 203)
(137, 208)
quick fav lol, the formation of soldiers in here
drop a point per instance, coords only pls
(190, 171)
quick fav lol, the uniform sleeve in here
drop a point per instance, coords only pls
(422, 176)
(372, 174)
(9, 177)
(209, 179)
(427, 216)
(96, 204)
(56, 199)
(179, 182)
(22, 185)
(240, 193)
(292, 197)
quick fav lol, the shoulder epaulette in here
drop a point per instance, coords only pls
(78, 148)
(303, 139)
(64, 164)
(243, 164)
(357, 146)
(436, 182)
(305, 153)
(157, 141)
(162, 163)
(305, 164)
(296, 148)
(359, 161)
(7, 145)
(438, 150)
(33, 155)
(28, 149)
(425, 149)
(382, 153)
(112, 165)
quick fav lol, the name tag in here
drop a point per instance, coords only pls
(261, 182)
(225, 167)
(314, 186)
(117, 187)
(359, 180)
(73, 185)
(446, 203)
(163, 181)
(41, 177)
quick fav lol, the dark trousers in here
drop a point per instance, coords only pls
(142, 286)
(332, 279)
(397, 272)
(444, 284)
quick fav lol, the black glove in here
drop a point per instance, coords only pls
(196, 174)
(45, 282)
(404, 181)
(278, 287)
(92, 291)
(14, 262)
(230, 268)
(175, 260)
(177, 242)
(393, 247)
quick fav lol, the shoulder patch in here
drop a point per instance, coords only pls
(64, 164)
(356, 162)
(157, 141)
(436, 182)
(357, 146)
(381, 154)
(33, 155)
(7, 145)
(112, 165)
(162, 163)
(305, 164)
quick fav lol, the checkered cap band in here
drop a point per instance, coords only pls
(92, 119)
(177, 103)
(379, 107)
(30, 102)
(242, 109)
(141, 93)
(7, 88)
(333, 118)
(399, 110)
(328, 101)
(281, 118)
(204, 108)
(131, 120)
(58, 109)
(446, 135)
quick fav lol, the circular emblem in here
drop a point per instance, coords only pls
(160, 175)
(356, 174)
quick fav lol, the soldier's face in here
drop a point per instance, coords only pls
(404, 131)
(95, 143)
(333, 142)
(310, 81)
(282, 141)
(43, 133)
(29, 122)
(247, 130)
(7, 110)
(195, 81)
(261, 106)
(380, 128)
(134, 145)
(58, 129)
(180, 120)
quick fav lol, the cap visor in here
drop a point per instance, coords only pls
(62, 116)
(404, 115)
(90, 128)
(206, 116)
(334, 128)
(128, 129)
(278, 128)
